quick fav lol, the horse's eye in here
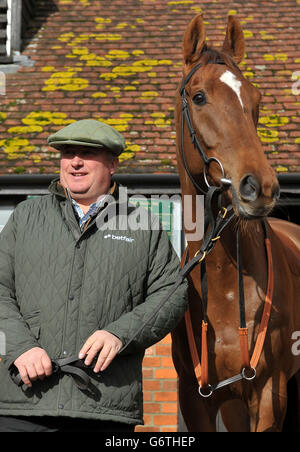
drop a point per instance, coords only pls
(200, 98)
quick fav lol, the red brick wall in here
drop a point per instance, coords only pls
(160, 389)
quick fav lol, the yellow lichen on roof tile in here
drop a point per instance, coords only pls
(48, 69)
(196, 9)
(266, 36)
(25, 129)
(282, 169)
(130, 88)
(66, 81)
(102, 20)
(121, 124)
(181, 2)
(277, 57)
(42, 118)
(93, 60)
(117, 55)
(130, 151)
(267, 135)
(248, 74)
(16, 148)
(127, 70)
(100, 94)
(65, 37)
(274, 120)
(80, 51)
(159, 120)
(149, 95)
(138, 52)
(248, 34)
(108, 37)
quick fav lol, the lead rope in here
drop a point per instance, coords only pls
(243, 330)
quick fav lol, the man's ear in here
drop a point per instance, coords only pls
(194, 40)
(234, 43)
(114, 165)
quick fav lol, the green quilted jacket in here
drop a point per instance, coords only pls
(59, 285)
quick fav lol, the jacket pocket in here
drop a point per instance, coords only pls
(33, 321)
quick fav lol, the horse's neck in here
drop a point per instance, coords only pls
(251, 235)
(251, 244)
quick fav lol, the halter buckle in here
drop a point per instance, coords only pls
(202, 257)
(206, 391)
(252, 377)
(223, 212)
(184, 102)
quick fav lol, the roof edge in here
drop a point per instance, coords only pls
(27, 183)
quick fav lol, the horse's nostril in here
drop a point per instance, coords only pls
(249, 188)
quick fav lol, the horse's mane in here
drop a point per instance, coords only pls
(210, 55)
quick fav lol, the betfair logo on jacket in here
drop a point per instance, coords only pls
(119, 237)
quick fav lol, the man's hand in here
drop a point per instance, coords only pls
(34, 364)
(104, 342)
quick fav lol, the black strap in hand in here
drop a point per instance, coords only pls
(71, 366)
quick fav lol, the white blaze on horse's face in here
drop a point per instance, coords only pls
(230, 79)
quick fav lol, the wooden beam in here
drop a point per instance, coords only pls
(16, 22)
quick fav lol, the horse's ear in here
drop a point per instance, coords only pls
(194, 40)
(234, 43)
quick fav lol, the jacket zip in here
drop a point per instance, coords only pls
(67, 302)
(65, 324)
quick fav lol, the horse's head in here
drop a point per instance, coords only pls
(224, 108)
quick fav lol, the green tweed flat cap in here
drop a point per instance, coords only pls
(88, 132)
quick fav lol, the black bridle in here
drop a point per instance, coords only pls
(213, 226)
(186, 118)
(216, 225)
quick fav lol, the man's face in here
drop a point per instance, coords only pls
(86, 172)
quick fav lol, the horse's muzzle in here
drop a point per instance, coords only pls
(251, 190)
(253, 200)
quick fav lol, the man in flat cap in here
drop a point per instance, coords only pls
(79, 305)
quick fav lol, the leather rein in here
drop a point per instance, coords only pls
(213, 229)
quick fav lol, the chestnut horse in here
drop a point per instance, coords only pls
(224, 111)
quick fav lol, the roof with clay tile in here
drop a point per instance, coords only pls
(120, 61)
